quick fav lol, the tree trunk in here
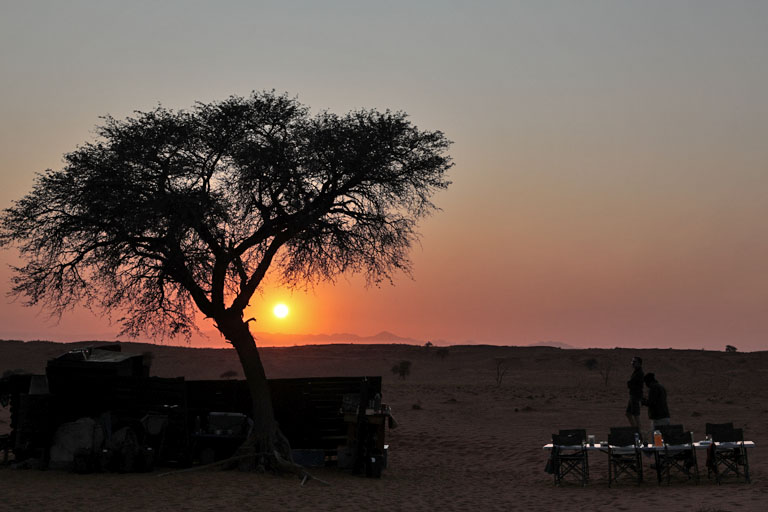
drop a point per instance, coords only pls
(265, 438)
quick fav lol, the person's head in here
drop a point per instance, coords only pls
(649, 378)
(637, 362)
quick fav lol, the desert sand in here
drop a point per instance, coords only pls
(464, 442)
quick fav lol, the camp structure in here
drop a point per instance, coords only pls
(97, 409)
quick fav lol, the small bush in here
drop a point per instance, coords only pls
(402, 369)
(591, 364)
(502, 367)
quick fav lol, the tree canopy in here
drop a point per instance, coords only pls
(172, 211)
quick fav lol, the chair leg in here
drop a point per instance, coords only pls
(585, 474)
(610, 473)
(657, 460)
(746, 466)
(668, 468)
(696, 469)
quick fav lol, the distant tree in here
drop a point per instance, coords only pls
(428, 345)
(402, 369)
(229, 374)
(502, 365)
(442, 352)
(730, 348)
(170, 213)
(591, 364)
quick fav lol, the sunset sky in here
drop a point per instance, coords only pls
(610, 185)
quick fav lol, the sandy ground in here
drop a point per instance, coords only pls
(464, 442)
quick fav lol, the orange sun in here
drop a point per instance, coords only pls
(280, 310)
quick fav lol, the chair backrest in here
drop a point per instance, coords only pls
(670, 430)
(725, 435)
(622, 436)
(720, 432)
(567, 439)
(710, 427)
(676, 436)
(579, 433)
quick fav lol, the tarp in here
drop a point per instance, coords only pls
(82, 436)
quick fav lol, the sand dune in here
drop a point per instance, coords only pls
(469, 444)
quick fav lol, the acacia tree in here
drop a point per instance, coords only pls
(172, 212)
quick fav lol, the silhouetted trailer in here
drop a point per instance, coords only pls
(172, 414)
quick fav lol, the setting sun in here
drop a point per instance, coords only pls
(280, 310)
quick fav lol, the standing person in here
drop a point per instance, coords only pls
(635, 385)
(658, 411)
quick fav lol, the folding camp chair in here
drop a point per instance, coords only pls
(677, 454)
(581, 434)
(727, 454)
(569, 455)
(713, 430)
(624, 458)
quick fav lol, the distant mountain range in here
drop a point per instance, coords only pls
(555, 344)
(211, 337)
(269, 338)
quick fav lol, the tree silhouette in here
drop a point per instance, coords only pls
(170, 213)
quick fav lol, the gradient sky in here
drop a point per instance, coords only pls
(611, 177)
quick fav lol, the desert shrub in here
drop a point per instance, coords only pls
(605, 372)
(731, 348)
(402, 369)
(502, 365)
(603, 367)
(442, 352)
(229, 374)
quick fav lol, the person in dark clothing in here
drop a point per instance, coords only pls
(635, 385)
(658, 410)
